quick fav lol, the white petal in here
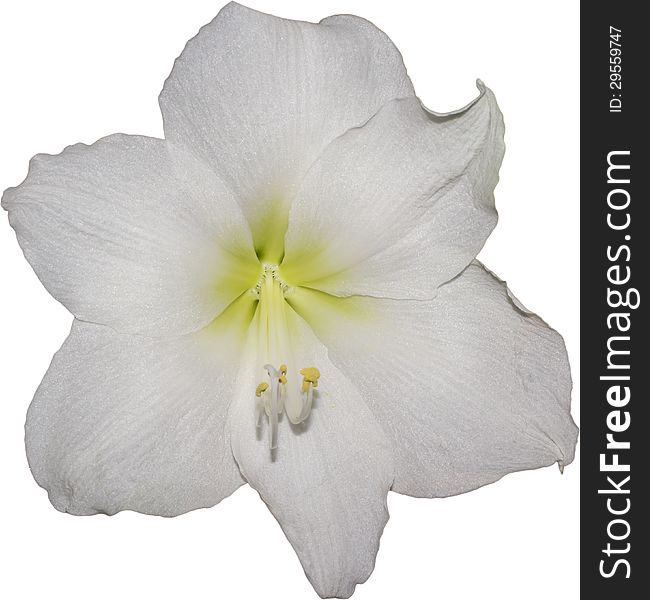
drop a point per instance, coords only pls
(400, 205)
(132, 233)
(468, 387)
(123, 422)
(327, 482)
(258, 97)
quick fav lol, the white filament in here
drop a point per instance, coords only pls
(272, 411)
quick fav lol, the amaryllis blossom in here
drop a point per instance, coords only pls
(283, 292)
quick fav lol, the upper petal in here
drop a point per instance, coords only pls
(468, 387)
(327, 482)
(133, 233)
(401, 205)
(124, 422)
(258, 97)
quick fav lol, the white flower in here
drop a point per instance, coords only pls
(284, 292)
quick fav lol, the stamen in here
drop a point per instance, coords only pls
(279, 394)
(272, 410)
(283, 393)
(261, 388)
(259, 405)
(310, 375)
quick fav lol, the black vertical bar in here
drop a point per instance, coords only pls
(615, 257)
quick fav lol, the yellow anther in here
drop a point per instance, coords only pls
(282, 379)
(261, 388)
(310, 375)
(283, 370)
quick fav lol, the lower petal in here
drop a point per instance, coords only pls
(327, 481)
(469, 387)
(126, 422)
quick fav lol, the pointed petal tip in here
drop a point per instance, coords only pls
(484, 92)
(237, 6)
(341, 589)
(326, 593)
(5, 201)
(483, 89)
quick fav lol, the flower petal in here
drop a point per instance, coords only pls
(258, 97)
(468, 387)
(132, 233)
(401, 205)
(327, 482)
(123, 422)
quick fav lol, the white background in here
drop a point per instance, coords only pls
(75, 71)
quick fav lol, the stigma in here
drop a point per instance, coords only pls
(285, 387)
